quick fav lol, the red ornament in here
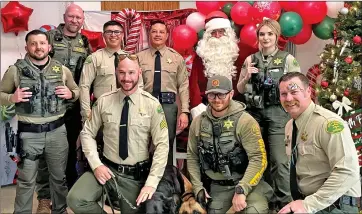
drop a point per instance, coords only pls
(357, 40)
(348, 59)
(94, 38)
(335, 36)
(346, 93)
(324, 84)
(15, 17)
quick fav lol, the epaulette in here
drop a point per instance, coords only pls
(174, 51)
(145, 93)
(107, 94)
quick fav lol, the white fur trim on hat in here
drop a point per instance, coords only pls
(217, 23)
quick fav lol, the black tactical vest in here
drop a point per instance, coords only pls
(43, 102)
(265, 84)
(218, 146)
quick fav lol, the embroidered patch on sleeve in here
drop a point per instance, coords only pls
(88, 60)
(255, 130)
(334, 127)
(295, 62)
(163, 124)
(160, 110)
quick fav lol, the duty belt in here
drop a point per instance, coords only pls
(38, 128)
(167, 97)
(344, 199)
(133, 170)
(225, 182)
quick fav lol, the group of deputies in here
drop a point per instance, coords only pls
(133, 115)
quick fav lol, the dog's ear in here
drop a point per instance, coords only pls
(201, 198)
(176, 203)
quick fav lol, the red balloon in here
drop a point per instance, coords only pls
(248, 35)
(94, 38)
(267, 9)
(184, 37)
(15, 17)
(312, 12)
(303, 36)
(292, 6)
(206, 7)
(240, 13)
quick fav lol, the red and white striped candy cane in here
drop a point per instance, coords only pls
(132, 32)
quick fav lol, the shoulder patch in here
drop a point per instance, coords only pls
(334, 127)
(160, 109)
(88, 60)
(163, 124)
(256, 130)
(295, 62)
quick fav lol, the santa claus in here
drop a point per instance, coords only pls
(217, 53)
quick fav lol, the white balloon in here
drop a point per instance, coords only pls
(196, 21)
(333, 8)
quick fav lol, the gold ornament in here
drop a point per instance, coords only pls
(333, 98)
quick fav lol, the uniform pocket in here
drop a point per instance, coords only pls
(215, 207)
(307, 148)
(169, 74)
(104, 71)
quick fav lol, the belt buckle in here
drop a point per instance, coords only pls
(44, 127)
(121, 171)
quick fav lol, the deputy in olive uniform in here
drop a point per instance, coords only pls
(324, 165)
(71, 49)
(165, 76)
(99, 68)
(40, 87)
(259, 83)
(130, 117)
(226, 142)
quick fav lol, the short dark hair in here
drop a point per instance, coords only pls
(36, 32)
(291, 75)
(158, 21)
(112, 23)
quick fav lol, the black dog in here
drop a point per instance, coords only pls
(167, 198)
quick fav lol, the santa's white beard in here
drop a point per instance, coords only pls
(218, 56)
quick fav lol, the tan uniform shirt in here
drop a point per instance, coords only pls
(174, 76)
(145, 120)
(248, 131)
(291, 65)
(327, 164)
(98, 70)
(10, 82)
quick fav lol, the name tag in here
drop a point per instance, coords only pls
(274, 70)
(59, 45)
(79, 50)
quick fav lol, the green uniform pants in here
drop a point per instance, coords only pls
(342, 209)
(86, 192)
(53, 146)
(171, 119)
(257, 200)
(272, 121)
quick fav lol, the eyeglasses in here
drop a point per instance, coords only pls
(213, 96)
(115, 32)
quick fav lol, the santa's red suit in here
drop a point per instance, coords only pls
(198, 80)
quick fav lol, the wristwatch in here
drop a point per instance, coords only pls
(239, 190)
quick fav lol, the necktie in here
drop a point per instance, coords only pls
(116, 60)
(293, 171)
(123, 136)
(157, 76)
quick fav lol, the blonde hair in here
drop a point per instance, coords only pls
(272, 24)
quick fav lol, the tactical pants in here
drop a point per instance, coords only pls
(257, 200)
(73, 125)
(272, 121)
(53, 145)
(342, 209)
(87, 192)
(171, 119)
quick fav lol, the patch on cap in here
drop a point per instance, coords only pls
(215, 83)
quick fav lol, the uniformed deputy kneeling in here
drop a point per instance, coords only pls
(130, 117)
(228, 143)
(39, 86)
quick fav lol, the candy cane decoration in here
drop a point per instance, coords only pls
(132, 33)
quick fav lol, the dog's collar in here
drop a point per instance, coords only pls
(191, 194)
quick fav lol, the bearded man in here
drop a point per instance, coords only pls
(217, 53)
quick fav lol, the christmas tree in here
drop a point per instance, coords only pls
(340, 66)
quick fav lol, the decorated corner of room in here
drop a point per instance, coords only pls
(337, 78)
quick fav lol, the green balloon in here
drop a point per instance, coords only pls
(324, 29)
(251, 2)
(227, 8)
(290, 23)
(200, 34)
(236, 28)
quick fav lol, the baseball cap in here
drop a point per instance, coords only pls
(219, 84)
